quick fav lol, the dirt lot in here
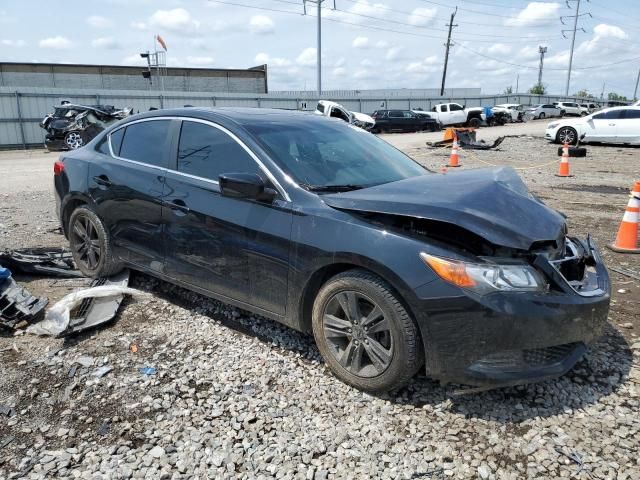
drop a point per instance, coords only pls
(238, 396)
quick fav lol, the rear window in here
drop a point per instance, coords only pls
(116, 141)
(320, 108)
(396, 114)
(145, 142)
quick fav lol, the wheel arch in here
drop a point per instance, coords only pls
(70, 204)
(323, 273)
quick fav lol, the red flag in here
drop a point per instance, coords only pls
(161, 42)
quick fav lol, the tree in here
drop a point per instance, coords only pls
(538, 89)
(508, 90)
(615, 96)
(583, 94)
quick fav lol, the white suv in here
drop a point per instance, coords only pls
(568, 108)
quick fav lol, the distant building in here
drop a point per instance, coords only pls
(114, 77)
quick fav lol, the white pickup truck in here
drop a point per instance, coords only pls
(335, 110)
(456, 114)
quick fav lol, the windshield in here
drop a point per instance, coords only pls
(323, 154)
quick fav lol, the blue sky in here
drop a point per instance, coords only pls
(366, 43)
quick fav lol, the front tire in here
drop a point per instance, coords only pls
(568, 135)
(73, 140)
(364, 333)
(542, 115)
(91, 245)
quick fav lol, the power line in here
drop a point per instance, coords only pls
(573, 38)
(590, 67)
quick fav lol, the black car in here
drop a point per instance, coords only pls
(331, 230)
(403, 121)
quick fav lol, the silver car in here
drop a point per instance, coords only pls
(543, 110)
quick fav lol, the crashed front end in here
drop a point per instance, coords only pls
(511, 298)
(522, 334)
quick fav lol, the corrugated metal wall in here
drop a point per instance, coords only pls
(21, 110)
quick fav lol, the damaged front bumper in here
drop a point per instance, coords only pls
(509, 338)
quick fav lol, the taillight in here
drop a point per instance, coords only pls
(58, 168)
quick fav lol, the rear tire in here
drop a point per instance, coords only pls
(542, 115)
(364, 333)
(474, 122)
(91, 245)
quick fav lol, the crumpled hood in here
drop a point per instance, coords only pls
(363, 117)
(493, 203)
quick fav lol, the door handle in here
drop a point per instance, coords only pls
(179, 205)
(102, 180)
(612, 124)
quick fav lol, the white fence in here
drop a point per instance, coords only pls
(22, 110)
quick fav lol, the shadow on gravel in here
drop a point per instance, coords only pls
(603, 369)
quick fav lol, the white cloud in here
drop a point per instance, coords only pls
(361, 42)
(13, 43)
(200, 61)
(362, 8)
(394, 53)
(603, 30)
(528, 53)
(277, 62)
(363, 73)
(96, 21)
(134, 59)
(366, 63)
(536, 13)
(307, 57)
(177, 20)
(382, 44)
(138, 25)
(339, 72)
(429, 64)
(499, 49)
(105, 42)
(58, 43)
(261, 24)
(421, 17)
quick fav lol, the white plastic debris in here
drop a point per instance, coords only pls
(57, 317)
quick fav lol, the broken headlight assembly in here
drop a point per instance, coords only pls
(486, 278)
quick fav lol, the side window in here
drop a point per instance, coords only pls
(206, 151)
(455, 107)
(615, 115)
(408, 114)
(600, 116)
(145, 142)
(396, 114)
(444, 108)
(631, 113)
(116, 141)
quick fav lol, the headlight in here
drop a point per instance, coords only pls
(485, 277)
(553, 125)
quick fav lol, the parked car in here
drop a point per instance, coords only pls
(331, 230)
(514, 110)
(543, 110)
(335, 110)
(568, 108)
(455, 114)
(403, 121)
(588, 108)
(611, 125)
(70, 126)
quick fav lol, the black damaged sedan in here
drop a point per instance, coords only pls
(332, 231)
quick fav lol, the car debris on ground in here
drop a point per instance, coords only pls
(18, 307)
(71, 126)
(57, 262)
(466, 138)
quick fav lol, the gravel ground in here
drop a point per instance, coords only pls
(239, 396)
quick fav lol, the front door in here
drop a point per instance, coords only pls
(234, 248)
(602, 127)
(127, 190)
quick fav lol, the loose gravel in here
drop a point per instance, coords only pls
(226, 394)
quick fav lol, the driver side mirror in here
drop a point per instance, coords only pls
(245, 185)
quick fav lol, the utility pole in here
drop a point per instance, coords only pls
(517, 83)
(542, 51)
(635, 90)
(446, 55)
(319, 47)
(602, 93)
(573, 38)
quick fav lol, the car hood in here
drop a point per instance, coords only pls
(493, 203)
(363, 117)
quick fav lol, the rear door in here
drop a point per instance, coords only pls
(629, 126)
(127, 188)
(603, 127)
(396, 120)
(234, 248)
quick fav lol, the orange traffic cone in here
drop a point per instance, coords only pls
(453, 159)
(563, 171)
(627, 239)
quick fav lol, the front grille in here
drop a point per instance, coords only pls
(526, 359)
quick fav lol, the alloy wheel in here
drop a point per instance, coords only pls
(566, 135)
(74, 140)
(358, 334)
(86, 242)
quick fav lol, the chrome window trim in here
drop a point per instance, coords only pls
(261, 165)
